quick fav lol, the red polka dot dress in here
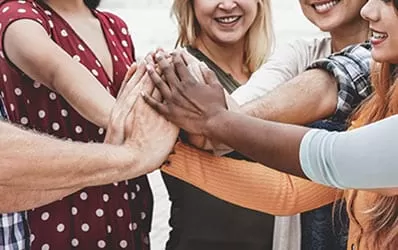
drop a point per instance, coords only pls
(115, 216)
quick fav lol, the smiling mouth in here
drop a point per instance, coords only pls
(228, 19)
(378, 37)
(325, 6)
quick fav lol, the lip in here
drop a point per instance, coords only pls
(324, 6)
(230, 24)
(377, 40)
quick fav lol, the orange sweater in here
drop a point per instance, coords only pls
(257, 187)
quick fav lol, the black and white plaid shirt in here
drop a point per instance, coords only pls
(351, 68)
(13, 226)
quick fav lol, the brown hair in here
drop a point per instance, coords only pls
(381, 230)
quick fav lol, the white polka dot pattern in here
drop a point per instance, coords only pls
(33, 104)
(75, 242)
(85, 227)
(101, 244)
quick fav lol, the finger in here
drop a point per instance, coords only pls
(159, 83)
(148, 86)
(159, 49)
(167, 68)
(156, 95)
(132, 82)
(149, 58)
(130, 72)
(181, 68)
(155, 104)
(208, 75)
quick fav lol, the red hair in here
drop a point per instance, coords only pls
(381, 230)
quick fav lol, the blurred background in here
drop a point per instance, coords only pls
(151, 26)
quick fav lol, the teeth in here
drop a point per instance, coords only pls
(378, 35)
(227, 19)
(325, 6)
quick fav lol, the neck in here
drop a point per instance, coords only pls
(69, 6)
(356, 32)
(230, 57)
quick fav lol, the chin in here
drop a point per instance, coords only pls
(229, 40)
(381, 57)
(328, 25)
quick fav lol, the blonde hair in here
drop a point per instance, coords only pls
(258, 41)
(381, 230)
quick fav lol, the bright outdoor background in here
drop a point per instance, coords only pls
(151, 26)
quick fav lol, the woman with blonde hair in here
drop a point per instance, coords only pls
(344, 26)
(373, 213)
(234, 39)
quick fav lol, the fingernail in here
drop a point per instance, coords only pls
(149, 68)
(142, 93)
(158, 57)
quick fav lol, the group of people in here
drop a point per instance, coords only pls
(208, 113)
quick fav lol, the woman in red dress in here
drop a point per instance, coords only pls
(61, 65)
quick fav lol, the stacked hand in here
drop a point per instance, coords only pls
(136, 126)
(187, 102)
(182, 90)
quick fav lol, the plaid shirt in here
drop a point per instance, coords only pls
(351, 68)
(13, 226)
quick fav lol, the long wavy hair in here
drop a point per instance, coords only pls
(258, 41)
(381, 230)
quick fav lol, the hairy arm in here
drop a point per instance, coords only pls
(307, 97)
(32, 160)
(37, 169)
(44, 61)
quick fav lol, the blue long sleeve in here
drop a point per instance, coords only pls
(364, 158)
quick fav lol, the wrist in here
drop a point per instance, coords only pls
(125, 159)
(214, 123)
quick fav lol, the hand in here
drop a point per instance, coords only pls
(130, 72)
(149, 133)
(124, 103)
(187, 103)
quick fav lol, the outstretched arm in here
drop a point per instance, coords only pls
(247, 184)
(200, 109)
(37, 169)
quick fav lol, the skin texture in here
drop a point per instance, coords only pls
(37, 169)
(201, 110)
(63, 74)
(383, 18)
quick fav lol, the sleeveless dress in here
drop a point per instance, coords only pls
(116, 216)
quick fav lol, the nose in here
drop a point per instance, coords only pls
(227, 5)
(370, 11)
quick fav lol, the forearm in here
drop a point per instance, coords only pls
(247, 184)
(306, 98)
(14, 200)
(30, 160)
(45, 62)
(349, 159)
(273, 144)
(83, 92)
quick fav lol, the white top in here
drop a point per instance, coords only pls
(284, 64)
